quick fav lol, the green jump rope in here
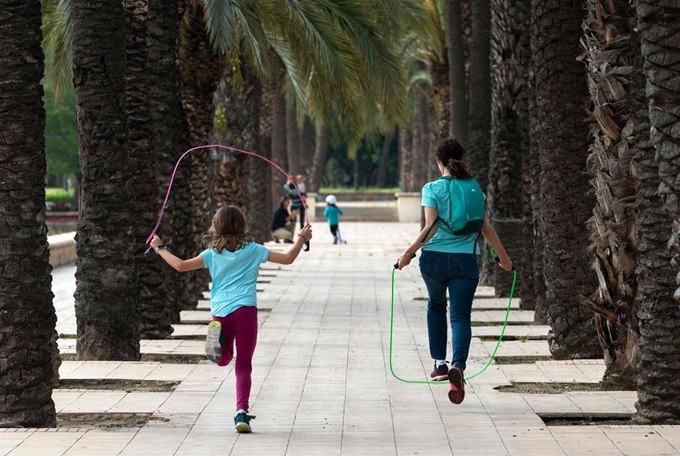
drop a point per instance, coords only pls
(493, 355)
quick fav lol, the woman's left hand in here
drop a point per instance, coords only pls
(403, 261)
(155, 241)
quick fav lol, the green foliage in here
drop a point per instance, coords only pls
(59, 196)
(61, 133)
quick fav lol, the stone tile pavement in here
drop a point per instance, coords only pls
(322, 382)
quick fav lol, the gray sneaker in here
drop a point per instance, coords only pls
(213, 347)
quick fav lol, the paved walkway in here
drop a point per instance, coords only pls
(321, 378)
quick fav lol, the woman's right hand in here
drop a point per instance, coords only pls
(505, 262)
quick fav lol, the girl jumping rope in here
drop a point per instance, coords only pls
(233, 261)
(449, 260)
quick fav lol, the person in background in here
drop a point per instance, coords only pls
(300, 180)
(283, 222)
(331, 213)
(291, 193)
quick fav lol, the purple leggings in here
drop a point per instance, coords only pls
(241, 326)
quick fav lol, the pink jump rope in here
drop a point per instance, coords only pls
(174, 172)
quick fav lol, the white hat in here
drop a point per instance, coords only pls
(331, 199)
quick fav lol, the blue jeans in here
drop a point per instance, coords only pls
(459, 273)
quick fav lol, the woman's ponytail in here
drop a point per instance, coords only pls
(451, 153)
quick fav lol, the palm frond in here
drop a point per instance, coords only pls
(57, 42)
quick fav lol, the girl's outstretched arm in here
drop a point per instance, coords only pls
(176, 263)
(290, 256)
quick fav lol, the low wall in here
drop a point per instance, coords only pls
(408, 207)
(62, 248)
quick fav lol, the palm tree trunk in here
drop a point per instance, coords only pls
(537, 246)
(381, 179)
(613, 226)
(170, 138)
(561, 92)
(441, 90)
(307, 144)
(509, 132)
(658, 387)
(242, 105)
(26, 302)
(278, 135)
(292, 139)
(107, 303)
(405, 158)
(320, 156)
(258, 172)
(479, 98)
(201, 70)
(454, 35)
(155, 301)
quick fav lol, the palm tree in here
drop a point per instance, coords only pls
(509, 129)
(457, 78)
(561, 92)
(107, 293)
(279, 136)
(658, 386)
(25, 297)
(611, 53)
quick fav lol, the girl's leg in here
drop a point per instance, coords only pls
(462, 293)
(227, 340)
(245, 329)
(433, 268)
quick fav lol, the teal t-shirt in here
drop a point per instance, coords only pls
(331, 213)
(234, 277)
(436, 194)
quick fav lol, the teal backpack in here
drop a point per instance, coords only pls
(468, 217)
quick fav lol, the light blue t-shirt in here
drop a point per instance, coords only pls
(331, 213)
(436, 194)
(234, 277)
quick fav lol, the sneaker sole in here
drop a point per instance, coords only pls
(213, 349)
(456, 379)
(440, 378)
(243, 428)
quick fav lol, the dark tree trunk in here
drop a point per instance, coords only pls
(201, 70)
(479, 98)
(292, 139)
(155, 302)
(441, 90)
(459, 107)
(107, 293)
(320, 156)
(278, 135)
(405, 158)
(242, 107)
(659, 386)
(536, 251)
(384, 159)
(561, 93)
(259, 172)
(509, 132)
(612, 72)
(170, 138)
(28, 317)
(307, 145)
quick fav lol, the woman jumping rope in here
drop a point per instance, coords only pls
(233, 261)
(449, 260)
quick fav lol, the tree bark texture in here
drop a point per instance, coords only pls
(441, 91)
(28, 317)
(170, 139)
(479, 98)
(107, 292)
(155, 302)
(381, 179)
(278, 134)
(561, 92)
(457, 79)
(320, 154)
(509, 131)
(405, 158)
(307, 145)
(611, 53)
(200, 71)
(292, 139)
(659, 314)
(242, 106)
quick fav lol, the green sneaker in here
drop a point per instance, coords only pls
(213, 346)
(242, 422)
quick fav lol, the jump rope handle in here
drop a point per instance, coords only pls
(498, 260)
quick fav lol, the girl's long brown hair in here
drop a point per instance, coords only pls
(451, 154)
(228, 230)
